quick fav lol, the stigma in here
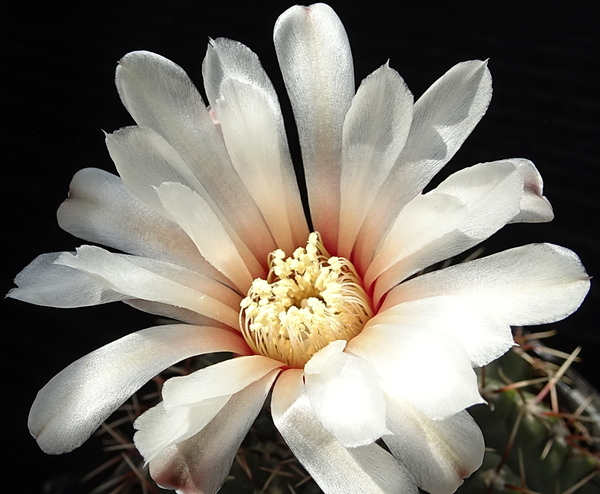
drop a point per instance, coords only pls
(307, 301)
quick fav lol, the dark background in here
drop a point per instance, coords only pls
(58, 62)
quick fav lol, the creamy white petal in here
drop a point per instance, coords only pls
(535, 208)
(217, 242)
(428, 368)
(446, 114)
(200, 464)
(100, 209)
(77, 400)
(45, 283)
(191, 402)
(156, 281)
(345, 395)
(174, 313)
(490, 195)
(533, 284)
(438, 453)
(224, 378)
(144, 160)
(374, 133)
(159, 428)
(442, 119)
(227, 59)
(254, 138)
(247, 108)
(159, 95)
(422, 222)
(316, 63)
(484, 335)
(336, 469)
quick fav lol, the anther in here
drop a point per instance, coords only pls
(307, 301)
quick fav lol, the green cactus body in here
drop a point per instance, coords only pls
(535, 445)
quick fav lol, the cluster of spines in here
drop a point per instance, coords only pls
(539, 440)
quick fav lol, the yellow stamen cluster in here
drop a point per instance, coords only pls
(307, 301)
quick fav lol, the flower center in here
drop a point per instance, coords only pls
(307, 301)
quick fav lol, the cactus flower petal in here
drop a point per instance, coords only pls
(201, 463)
(484, 335)
(438, 453)
(316, 63)
(345, 394)
(443, 117)
(465, 209)
(79, 398)
(532, 284)
(192, 401)
(439, 383)
(357, 470)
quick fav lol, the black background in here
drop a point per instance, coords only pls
(58, 61)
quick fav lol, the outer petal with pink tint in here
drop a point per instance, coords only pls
(200, 464)
(82, 396)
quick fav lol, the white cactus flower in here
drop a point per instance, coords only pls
(354, 341)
